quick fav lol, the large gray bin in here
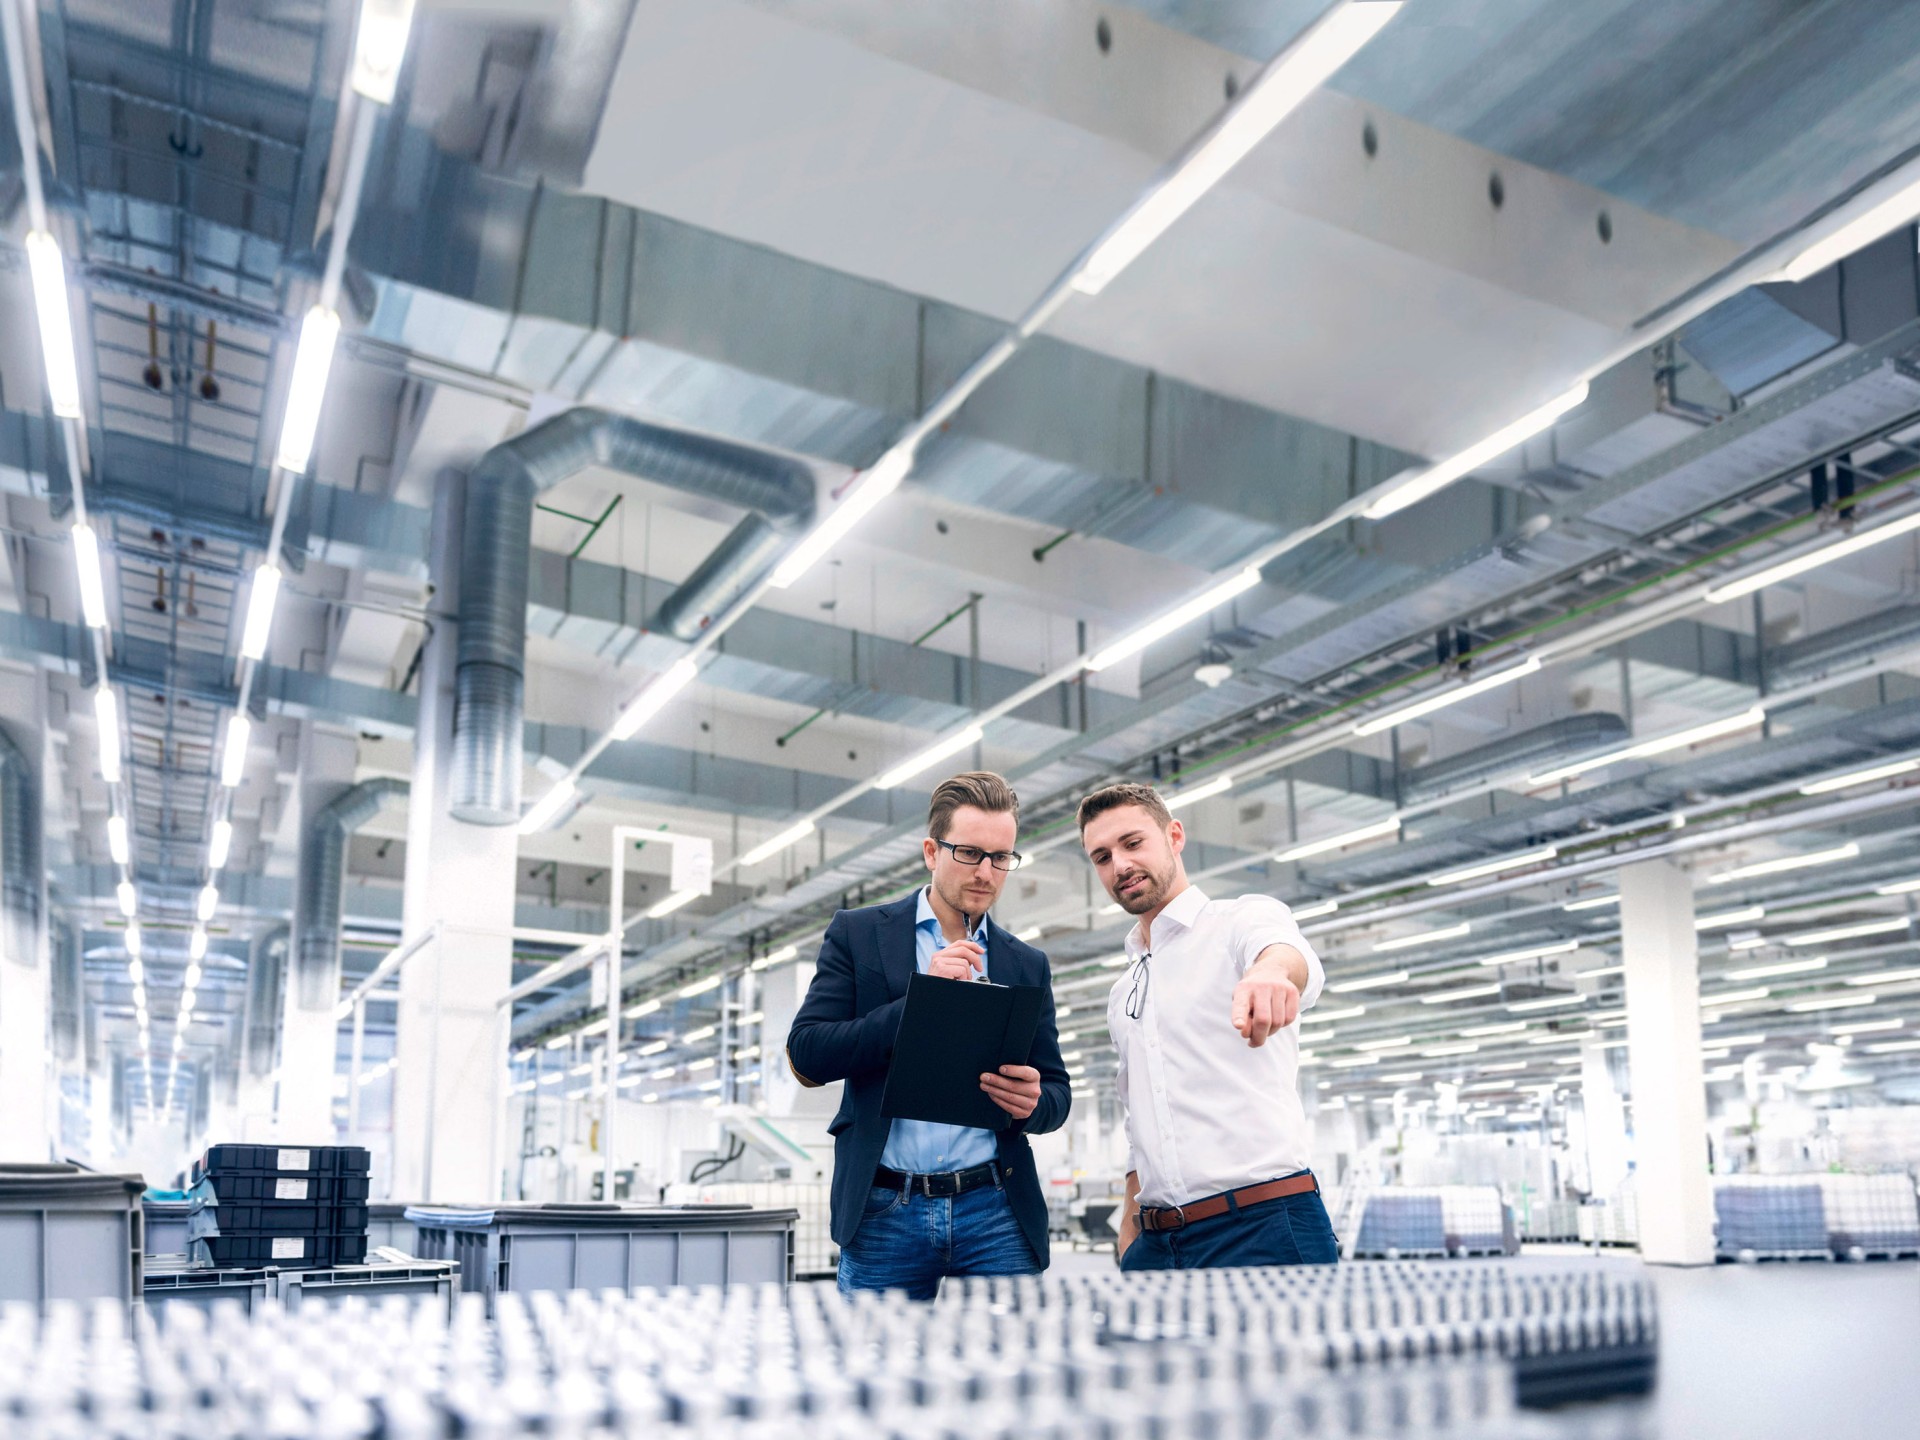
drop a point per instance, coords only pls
(69, 1234)
(387, 1225)
(600, 1247)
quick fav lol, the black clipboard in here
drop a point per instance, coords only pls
(952, 1033)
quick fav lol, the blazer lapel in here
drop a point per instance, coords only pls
(899, 950)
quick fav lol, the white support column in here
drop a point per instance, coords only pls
(1604, 1120)
(1674, 1189)
(450, 1079)
(310, 1037)
(26, 1123)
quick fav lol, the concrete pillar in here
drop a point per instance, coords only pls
(1604, 1120)
(449, 1095)
(310, 1036)
(26, 1128)
(1657, 945)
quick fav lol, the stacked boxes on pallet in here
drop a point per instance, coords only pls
(1771, 1217)
(1871, 1216)
(284, 1206)
(1441, 1220)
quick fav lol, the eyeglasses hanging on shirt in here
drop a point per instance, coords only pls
(1137, 992)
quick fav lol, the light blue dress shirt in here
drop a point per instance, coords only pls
(918, 1147)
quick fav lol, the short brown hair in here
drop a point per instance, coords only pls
(982, 789)
(1115, 797)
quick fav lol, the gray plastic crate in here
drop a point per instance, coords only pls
(166, 1226)
(599, 1247)
(69, 1234)
(387, 1225)
(168, 1284)
(295, 1288)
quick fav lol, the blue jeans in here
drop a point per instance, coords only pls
(1293, 1230)
(909, 1242)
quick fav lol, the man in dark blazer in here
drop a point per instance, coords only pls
(914, 1202)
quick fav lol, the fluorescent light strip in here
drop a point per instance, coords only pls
(233, 754)
(1496, 867)
(1438, 476)
(1465, 992)
(1597, 902)
(542, 811)
(1600, 972)
(55, 313)
(1389, 826)
(117, 844)
(1731, 917)
(1400, 1044)
(206, 903)
(1848, 851)
(1893, 1047)
(1838, 1002)
(1553, 1002)
(767, 849)
(1294, 74)
(1659, 745)
(1886, 977)
(1407, 942)
(1861, 777)
(1440, 1051)
(1785, 967)
(865, 491)
(220, 845)
(1815, 558)
(776, 957)
(106, 714)
(1355, 1062)
(645, 1007)
(1504, 1067)
(1199, 793)
(1904, 887)
(260, 600)
(1315, 910)
(1504, 1027)
(312, 360)
(652, 700)
(700, 987)
(1440, 700)
(93, 588)
(1735, 997)
(197, 943)
(127, 897)
(1327, 1017)
(1205, 603)
(671, 903)
(1371, 982)
(1538, 952)
(380, 46)
(133, 943)
(1846, 932)
(931, 756)
(1861, 1027)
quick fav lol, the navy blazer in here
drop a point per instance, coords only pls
(844, 1030)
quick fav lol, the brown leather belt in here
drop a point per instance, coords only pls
(1178, 1217)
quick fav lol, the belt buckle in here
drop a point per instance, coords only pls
(942, 1187)
(1170, 1217)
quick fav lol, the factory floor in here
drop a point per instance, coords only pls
(1779, 1351)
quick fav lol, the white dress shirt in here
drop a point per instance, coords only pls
(1207, 1112)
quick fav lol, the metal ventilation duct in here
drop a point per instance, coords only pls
(266, 983)
(1556, 740)
(22, 875)
(1844, 645)
(67, 1030)
(490, 683)
(323, 880)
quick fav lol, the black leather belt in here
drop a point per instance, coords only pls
(939, 1187)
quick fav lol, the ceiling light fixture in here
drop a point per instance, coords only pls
(197, 943)
(1495, 867)
(1407, 942)
(1813, 559)
(776, 957)
(1905, 887)
(1837, 1002)
(1552, 1002)
(1287, 80)
(1735, 997)
(1388, 826)
(1847, 932)
(93, 588)
(54, 311)
(653, 699)
(679, 898)
(312, 360)
(260, 599)
(1199, 793)
(134, 944)
(1505, 1027)
(1205, 603)
(645, 1007)
(233, 755)
(1438, 476)
(220, 845)
(767, 849)
(1441, 1051)
(1892, 1047)
(864, 491)
(1399, 1044)
(117, 844)
(1596, 902)
(1857, 1027)
(1659, 745)
(106, 715)
(128, 898)
(1465, 992)
(701, 987)
(1315, 910)
(1538, 952)
(932, 755)
(1724, 918)
(542, 812)
(380, 46)
(1327, 1017)
(1371, 982)
(1885, 977)
(1861, 777)
(1452, 695)
(207, 902)
(1848, 851)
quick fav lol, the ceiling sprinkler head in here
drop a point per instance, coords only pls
(1213, 674)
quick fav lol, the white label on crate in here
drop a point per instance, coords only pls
(290, 1189)
(295, 1160)
(289, 1247)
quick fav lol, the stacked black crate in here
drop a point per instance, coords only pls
(286, 1206)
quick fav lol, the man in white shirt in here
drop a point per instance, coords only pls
(1203, 1017)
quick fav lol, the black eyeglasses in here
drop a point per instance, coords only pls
(1137, 994)
(972, 855)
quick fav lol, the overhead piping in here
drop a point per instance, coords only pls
(323, 862)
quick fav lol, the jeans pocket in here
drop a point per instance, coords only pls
(1310, 1230)
(882, 1200)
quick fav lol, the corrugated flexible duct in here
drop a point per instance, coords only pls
(323, 880)
(22, 876)
(777, 491)
(266, 981)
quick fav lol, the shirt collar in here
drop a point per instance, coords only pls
(923, 916)
(1183, 910)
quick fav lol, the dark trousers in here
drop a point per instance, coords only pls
(1293, 1230)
